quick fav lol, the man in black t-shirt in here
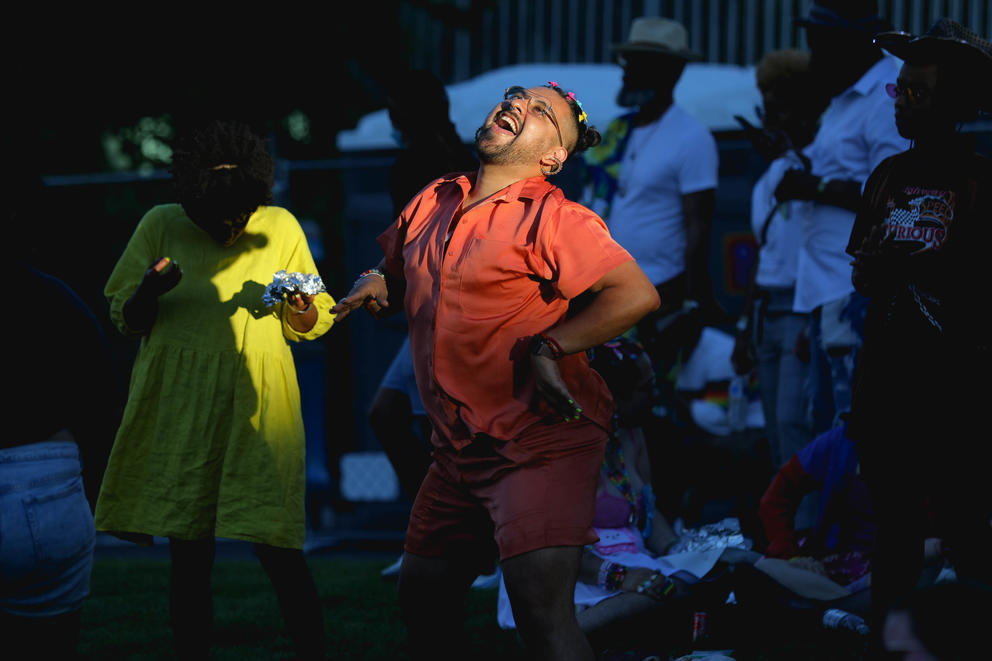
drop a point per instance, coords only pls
(920, 243)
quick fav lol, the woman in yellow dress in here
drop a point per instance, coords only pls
(212, 441)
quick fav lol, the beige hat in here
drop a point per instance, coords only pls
(651, 34)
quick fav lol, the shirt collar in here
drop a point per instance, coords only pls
(876, 75)
(531, 189)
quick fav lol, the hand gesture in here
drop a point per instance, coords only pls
(298, 300)
(552, 387)
(161, 276)
(770, 143)
(649, 582)
(369, 291)
(875, 261)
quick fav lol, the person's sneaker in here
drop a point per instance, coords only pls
(486, 581)
(392, 572)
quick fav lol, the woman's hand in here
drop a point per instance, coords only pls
(303, 314)
(141, 309)
(161, 276)
(369, 291)
(809, 564)
(649, 582)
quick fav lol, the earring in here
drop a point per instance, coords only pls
(554, 169)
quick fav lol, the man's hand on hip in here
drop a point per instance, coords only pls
(552, 387)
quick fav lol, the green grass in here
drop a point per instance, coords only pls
(125, 616)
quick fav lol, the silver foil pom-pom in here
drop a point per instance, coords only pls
(723, 534)
(284, 283)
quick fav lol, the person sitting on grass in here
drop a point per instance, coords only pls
(638, 565)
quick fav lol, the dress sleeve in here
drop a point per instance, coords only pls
(301, 261)
(579, 249)
(143, 247)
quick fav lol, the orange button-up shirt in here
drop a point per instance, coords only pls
(507, 273)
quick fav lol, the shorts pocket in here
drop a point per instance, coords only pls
(61, 524)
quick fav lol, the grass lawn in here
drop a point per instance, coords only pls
(125, 617)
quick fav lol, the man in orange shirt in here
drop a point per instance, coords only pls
(485, 264)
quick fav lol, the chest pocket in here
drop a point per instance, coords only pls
(495, 280)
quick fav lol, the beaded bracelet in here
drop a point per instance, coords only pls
(372, 272)
(542, 340)
(611, 576)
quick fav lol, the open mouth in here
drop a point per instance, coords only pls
(506, 122)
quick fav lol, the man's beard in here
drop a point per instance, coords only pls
(632, 97)
(507, 153)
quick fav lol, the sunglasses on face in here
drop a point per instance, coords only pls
(914, 95)
(537, 105)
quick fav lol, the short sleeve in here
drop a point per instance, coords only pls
(394, 237)
(300, 260)
(143, 247)
(579, 249)
(699, 169)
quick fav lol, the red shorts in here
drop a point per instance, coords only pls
(535, 492)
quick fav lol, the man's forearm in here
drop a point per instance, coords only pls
(615, 309)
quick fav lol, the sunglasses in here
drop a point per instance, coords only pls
(535, 104)
(914, 95)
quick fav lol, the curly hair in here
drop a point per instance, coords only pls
(588, 136)
(780, 69)
(222, 171)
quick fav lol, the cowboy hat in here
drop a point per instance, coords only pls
(650, 34)
(946, 41)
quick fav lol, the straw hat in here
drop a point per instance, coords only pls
(650, 34)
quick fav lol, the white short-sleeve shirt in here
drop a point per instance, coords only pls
(857, 132)
(671, 157)
(778, 257)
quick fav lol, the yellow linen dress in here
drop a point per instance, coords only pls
(212, 442)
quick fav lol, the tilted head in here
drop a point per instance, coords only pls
(539, 126)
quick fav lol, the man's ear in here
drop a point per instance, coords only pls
(554, 159)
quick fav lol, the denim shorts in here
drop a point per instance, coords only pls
(46, 530)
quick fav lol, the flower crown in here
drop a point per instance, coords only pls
(571, 95)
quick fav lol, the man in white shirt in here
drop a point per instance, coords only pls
(654, 177)
(857, 132)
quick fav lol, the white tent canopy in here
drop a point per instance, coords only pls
(712, 93)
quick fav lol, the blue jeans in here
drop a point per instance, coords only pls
(836, 332)
(46, 530)
(782, 378)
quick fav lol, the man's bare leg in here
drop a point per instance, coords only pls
(541, 587)
(432, 600)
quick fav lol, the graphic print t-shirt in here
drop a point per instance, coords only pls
(936, 212)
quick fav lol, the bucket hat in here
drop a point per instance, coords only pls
(651, 34)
